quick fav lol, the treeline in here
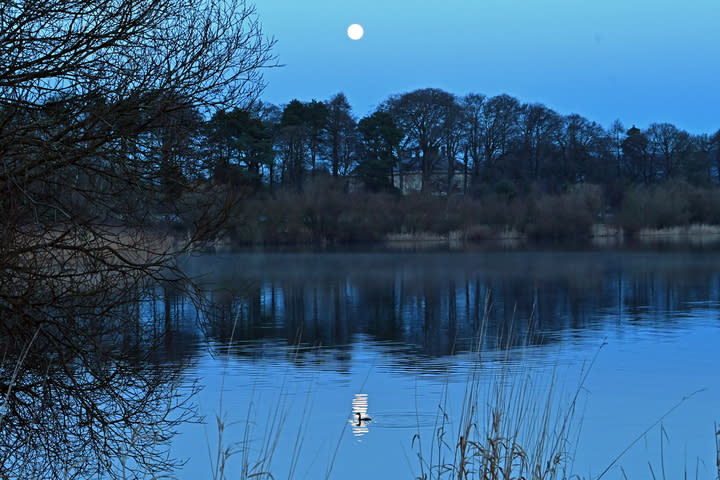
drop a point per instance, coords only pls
(491, 142)
(316, 172)
(478, 143)
(425, 160)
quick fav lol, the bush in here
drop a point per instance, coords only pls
(570, 214)
(326, 213)
(498, 210)
(704, 206)
(655, 207)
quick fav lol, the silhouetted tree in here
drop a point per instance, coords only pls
(698, 163)
(96, 102)
(499, 129)
(381, 138)
(341, 134)
(421, 114)
(637, 160)
(472, 106)
(293, 139)
(538, 127)
(88, 395)
(452, 138)
(271, 115)
(617, 134)
(302, 128)
(670, 145)
(316, 120)
(239, 145)
(577, 140)
(175, 131)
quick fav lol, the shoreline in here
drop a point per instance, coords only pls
(601, 235)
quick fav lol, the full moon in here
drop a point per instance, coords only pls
(355, 31)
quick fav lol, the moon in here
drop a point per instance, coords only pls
(355, 31)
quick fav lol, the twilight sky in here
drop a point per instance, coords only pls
(641, 61)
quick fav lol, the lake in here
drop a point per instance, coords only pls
(292, 345)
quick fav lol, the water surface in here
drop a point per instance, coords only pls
(293, 344)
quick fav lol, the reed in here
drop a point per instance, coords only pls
(255, 457)
(252, 456)
(515, 421)
(681, 233)
(512, 424)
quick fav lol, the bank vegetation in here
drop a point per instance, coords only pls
(326, 213)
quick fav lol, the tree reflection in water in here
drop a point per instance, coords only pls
(435, 305)
(85, 393)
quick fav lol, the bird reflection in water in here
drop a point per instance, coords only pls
(360, 418)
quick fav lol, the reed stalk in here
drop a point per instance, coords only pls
(511, 424)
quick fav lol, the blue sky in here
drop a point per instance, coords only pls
(641, 61)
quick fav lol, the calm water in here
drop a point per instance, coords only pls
(294, 343)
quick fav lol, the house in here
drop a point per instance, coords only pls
(407, 177)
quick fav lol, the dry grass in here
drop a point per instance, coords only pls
(512, 425)
(473, 233)
(696, 234)
(603, 235)
(416, 237)
(681, 231)
(605, 230)
(489, 232)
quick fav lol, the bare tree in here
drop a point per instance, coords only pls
(472, 105)
(422, 114)
(578, 142)
(617, 137)
(698, 165)
(99, 102)
(499, 129)
(671, 144)
(83, 398)
(451, 142)
(538, 124)
(86, 89)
